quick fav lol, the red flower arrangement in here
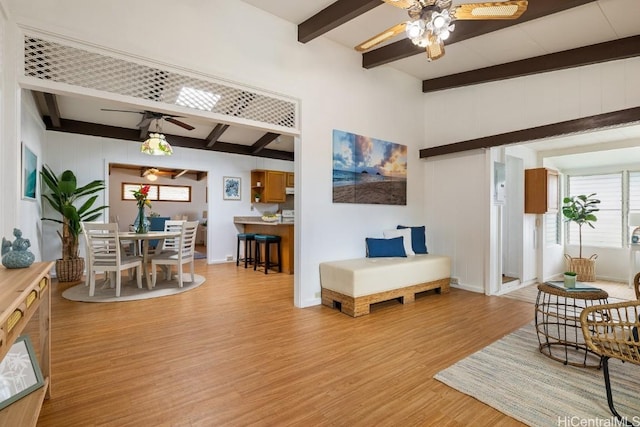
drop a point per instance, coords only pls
(141, 195)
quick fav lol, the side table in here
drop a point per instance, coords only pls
(558, 322)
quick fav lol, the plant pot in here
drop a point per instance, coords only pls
(69, 270)
(569, 281)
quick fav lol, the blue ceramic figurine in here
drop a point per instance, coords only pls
(16, 254)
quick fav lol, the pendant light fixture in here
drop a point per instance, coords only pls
(156, 144)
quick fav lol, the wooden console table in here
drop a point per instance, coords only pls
(25, 292)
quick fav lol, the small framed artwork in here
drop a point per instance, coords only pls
(231, 188)
(19, 372)
(29, 173)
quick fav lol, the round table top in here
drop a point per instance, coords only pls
(590, 294)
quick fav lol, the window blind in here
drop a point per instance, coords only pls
(608, 227)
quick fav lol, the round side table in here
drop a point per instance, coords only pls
(558, 323)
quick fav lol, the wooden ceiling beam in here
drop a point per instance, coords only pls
(602, 52)
(52, 107)
(215, 134)
(465, 30)
(179, 174)
(264, 140)
(85, 128)
(599, 121)
(333, 16)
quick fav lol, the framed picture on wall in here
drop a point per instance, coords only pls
(231, 188)
(29, 173)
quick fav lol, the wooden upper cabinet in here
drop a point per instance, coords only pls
(290, 179)
(541, 191)
(272, 185)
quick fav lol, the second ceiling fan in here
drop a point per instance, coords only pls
(149, 116)
(431, 21)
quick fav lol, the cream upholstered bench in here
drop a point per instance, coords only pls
(352, 285)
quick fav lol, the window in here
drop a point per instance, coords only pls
(552, 228)
(159, 193)
(608, 228)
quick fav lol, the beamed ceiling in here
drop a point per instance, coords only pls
(551, 35)
(87, 117)
(617, 38)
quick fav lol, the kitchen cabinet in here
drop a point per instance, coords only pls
(541, 191)
(290, 179)
(269, 185)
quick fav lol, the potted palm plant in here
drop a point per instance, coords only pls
(63, 195)
(580, 209)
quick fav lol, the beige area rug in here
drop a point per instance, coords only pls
(617, 291)
(129, 290)
(512, 376)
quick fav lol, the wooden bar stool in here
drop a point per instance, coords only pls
(267, 240)
(247, 238)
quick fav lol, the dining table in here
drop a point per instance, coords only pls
(145, 239)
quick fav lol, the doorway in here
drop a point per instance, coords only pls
(175, 194)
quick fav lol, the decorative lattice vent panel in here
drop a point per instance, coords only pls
(47, 60)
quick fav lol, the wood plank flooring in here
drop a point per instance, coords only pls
(236, 352)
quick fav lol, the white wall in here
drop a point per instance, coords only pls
(32, 132)
(499, 107)
(335, 93)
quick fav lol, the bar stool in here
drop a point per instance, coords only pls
(267, 240)
(247, 238)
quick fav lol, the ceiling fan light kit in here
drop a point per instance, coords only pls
(431, 21)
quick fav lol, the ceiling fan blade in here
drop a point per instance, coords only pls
(502, 10)
(179, 123)
(383, 36)
(435, 49)
(402, 4)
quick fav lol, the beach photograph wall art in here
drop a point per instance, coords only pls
(368, 170)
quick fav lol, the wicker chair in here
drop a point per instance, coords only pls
(611, 330)
(636, 285)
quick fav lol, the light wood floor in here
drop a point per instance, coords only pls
(235, 352)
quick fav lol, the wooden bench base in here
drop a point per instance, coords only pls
(360, 305)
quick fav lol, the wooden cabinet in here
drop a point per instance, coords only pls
(25, 292)
(269, 185)
(290, 179)
(541, 191)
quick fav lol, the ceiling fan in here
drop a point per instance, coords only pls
(431, 21)
(149, 116)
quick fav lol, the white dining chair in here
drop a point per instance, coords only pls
(176, 251)
(104, 254)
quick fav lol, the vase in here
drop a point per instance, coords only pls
(141, 224)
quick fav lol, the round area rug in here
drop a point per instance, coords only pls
(129, 290)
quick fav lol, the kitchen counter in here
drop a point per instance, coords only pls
(257, 220)
(255, 224)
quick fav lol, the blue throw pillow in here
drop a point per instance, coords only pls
(378, 248)
(418, 239)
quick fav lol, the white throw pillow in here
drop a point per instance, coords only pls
(405, 233)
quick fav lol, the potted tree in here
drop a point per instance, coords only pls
(580, 209)
(63, 194)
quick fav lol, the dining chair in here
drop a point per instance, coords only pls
(177, 251)
(104, 254)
